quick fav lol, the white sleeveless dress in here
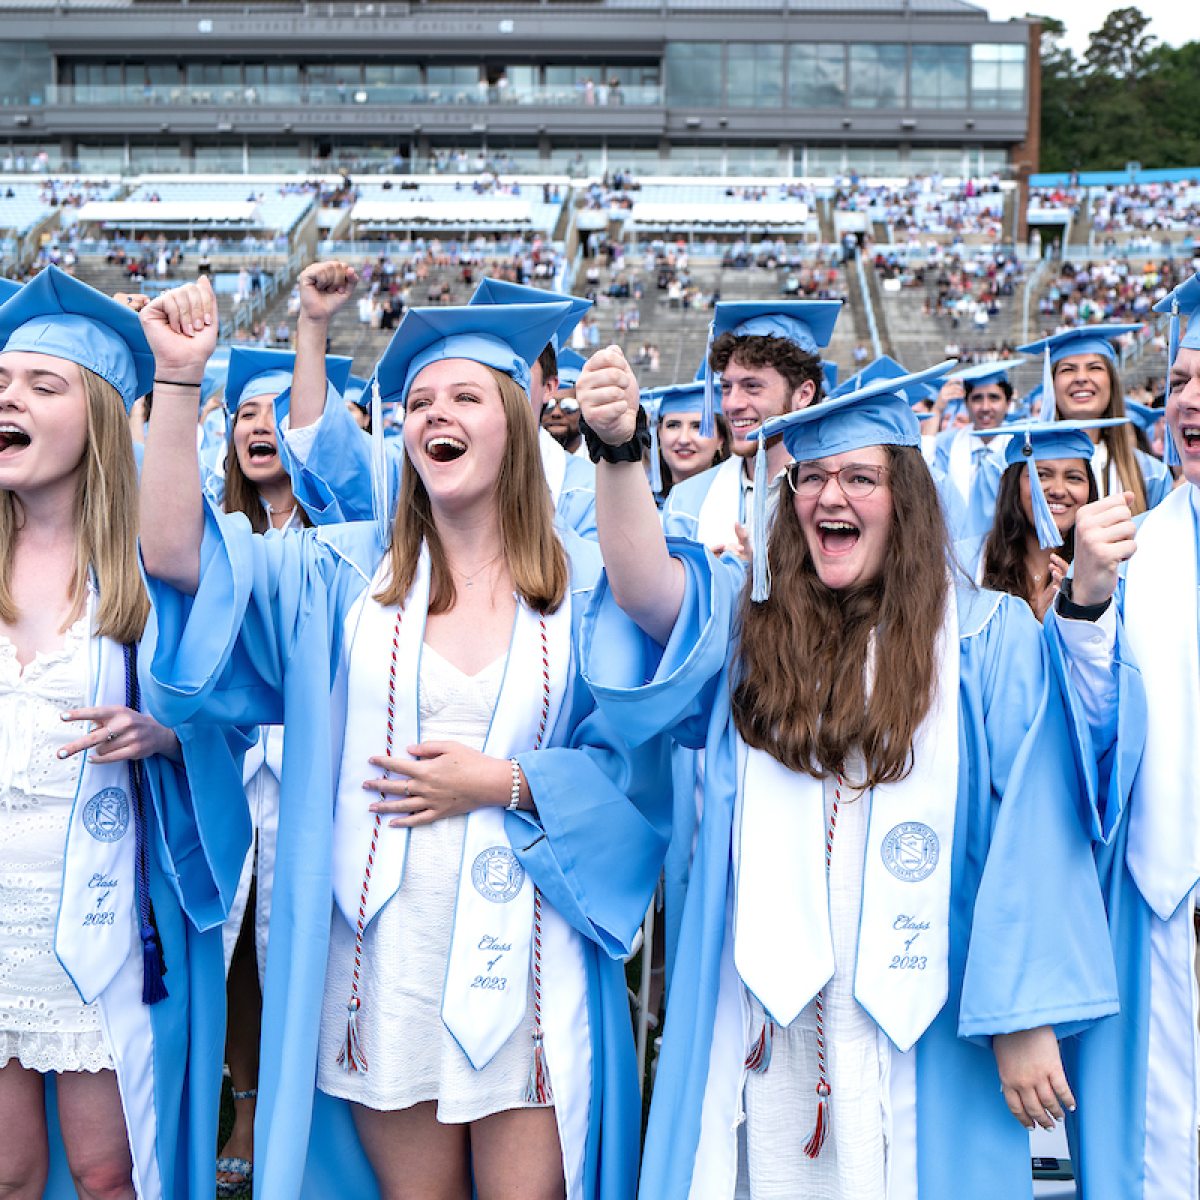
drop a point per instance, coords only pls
(43, 1024)
(411, 1056)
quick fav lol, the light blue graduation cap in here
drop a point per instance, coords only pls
(357, 391)
(986, 374)
(63, 317)
(830, 370)
(216, 372)
(883, 367)
(255, 372)
(1183, 301)
(1145, 416)
(570, 364)
(878, 414)
(1087, 339)
(807, 323)
(506, 337)
(1033, 442)
(666, 402)
(497, 291)
(8, 289)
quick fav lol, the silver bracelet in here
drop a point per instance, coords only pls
(514, 799)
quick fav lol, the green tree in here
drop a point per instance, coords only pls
(1120, 47)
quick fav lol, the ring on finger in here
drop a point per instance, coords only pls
(112, 737)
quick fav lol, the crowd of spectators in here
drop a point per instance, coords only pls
(1114, 290)
(926, 204)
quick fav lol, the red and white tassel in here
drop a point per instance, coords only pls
(351, 1054)
(821, 1130)
(538, 1091)
(759, 1058)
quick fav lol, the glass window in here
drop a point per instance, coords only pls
(939, 76)
(754, 75)
(404, 73)
(877, 75)
(694, 74)
(453, 76)
(998, 76)
(817, 75)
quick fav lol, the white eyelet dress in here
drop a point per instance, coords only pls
(43, 1024)
(411, 1056)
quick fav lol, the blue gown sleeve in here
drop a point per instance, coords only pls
(1107, 754)
(682, 680)
(331, 479)
(218, 657)
(1039, 952)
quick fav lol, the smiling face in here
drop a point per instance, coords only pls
(1066, 484)
(1183, 412)
(752, 395)
(255, 443)
(455, 430)
(684, 451)
(1082, 387)
(987, 405)
(847, 538)
(43, 422)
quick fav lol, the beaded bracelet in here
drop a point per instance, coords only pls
(514, 799)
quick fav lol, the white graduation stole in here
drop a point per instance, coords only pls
(554, 464)
(97, 915)
(959, 464)
(485, 994)
(1161, 615)
(902, 973)
(722, 506)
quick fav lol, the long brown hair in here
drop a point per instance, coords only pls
(241, 495)
(801, 692)
(528, 543)
(1120, 440)
(1004, 562)
(106, 510)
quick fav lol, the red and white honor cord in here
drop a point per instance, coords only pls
(539, 1090)
(351, 1055)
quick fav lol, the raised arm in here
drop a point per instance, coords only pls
(645, 581)
(181, 326)
(325, 287)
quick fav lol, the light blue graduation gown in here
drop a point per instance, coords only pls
(1158, 477)
(973, 519)
(1109, 1064)
(262, 642)
(333, 481)
(198, 831)
(1024, 888)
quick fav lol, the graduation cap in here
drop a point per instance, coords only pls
(878, 414)
(665, 402)
(63, 317)
(216, 372)
(830, 371)
(8, 289)
(1145, 416)
(1087, 339)
(357, 392)
(255, 371)
(570, 364)
(807, 323)
(1033, 442)
(883, 367)
(1183, 301)
(986, 374)
(497, 291)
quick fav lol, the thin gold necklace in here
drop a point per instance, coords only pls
(469, 580)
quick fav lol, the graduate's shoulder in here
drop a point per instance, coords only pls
(353, 543)
(983, 612)
(687, 497)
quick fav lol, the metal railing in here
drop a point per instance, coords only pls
(868, 307)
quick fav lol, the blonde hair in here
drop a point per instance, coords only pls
(106, 508)
(528, 542)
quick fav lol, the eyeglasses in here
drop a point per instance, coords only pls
(857, 480)
(568, 404)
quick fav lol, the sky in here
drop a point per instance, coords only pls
(1172, 21)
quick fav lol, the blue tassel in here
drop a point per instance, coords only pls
(1170, 453)
(153, 967)
(380, 501)
(1049, 408)
(708, 422)
(1043, 520)
(760, 571)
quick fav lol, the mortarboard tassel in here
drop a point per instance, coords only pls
(760, 571)
(380, 507)
(1043, 520)
(1170, 453)
(759, 1058)
(1049, 407)
(656, 479)
(708, 424)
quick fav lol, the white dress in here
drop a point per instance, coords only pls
(43, 1023)
(411, 1056)
(781, 1102)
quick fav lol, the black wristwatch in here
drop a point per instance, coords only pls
(626, 452)
(1066, 607)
